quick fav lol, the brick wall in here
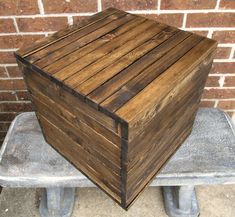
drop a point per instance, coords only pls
(24, 21)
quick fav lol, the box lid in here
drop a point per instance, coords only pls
(119, 63)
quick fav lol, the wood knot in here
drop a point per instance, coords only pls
(108, 36)
(113, 16)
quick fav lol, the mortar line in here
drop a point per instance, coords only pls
(231, 56)
(224, 60)
(158, 6)
(16, 25)
(217, 5)
(70, 20)
(41, 7)
(184, 21)
(99, 5)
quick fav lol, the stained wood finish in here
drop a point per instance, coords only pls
(116, 95)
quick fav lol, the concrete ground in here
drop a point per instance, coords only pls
(215, 201)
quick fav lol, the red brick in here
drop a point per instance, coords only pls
(225, 68)
(170, 19)
(77, 19)
(23, 95)
(3, 73)
(16, 41)
(212, 81)
(219, 94)
(227, 4)
(7, 96)
(7, 116)
(211, 19)
(222, 52)
(130, 4)
(185, 5)
(12, 84)
(62, 6)
(207, 104)
(7, 57)
(202, 33)
(7, 25)
(16, 107)
(227, 105)
(229, 81)
(19, 7)
(14, 71)
(41, 24)
(4, 126)
(224, 36)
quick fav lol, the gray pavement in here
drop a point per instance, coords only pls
(214, 200)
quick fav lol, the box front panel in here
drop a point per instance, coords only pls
(79, 133)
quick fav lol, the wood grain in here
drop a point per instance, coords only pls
(137, 113)
(98, 121)
(76, 66)
(81, 159)
(117, 81)
(69, 53)
(134, 86)
(122, 62)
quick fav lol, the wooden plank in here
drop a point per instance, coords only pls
(42, 43)
(114, 68)
(136, 174)
(86, 42)
(93, 70)
(75, 67)
(155, 145)
(103, 62)
(89, 140)
(157, 166)
(176, 103)
(179, 106)
(188, 105)
(124, 163)
(133, 87)
(116, 82)
(81, 160)
(88, 32)
(123, 26)
(134, 111)
(89, 173)
(95, 119)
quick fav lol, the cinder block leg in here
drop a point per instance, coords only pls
(180, 201)
(57, 202)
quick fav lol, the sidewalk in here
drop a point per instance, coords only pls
(215, 201)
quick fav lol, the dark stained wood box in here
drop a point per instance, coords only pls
(116, 94)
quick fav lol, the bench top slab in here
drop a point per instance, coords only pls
(206, 157)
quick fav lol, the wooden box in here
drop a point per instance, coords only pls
(116, 95)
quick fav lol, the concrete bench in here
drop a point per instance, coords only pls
(206, 157)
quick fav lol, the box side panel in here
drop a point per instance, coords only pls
(86, 141)
(152, 147)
